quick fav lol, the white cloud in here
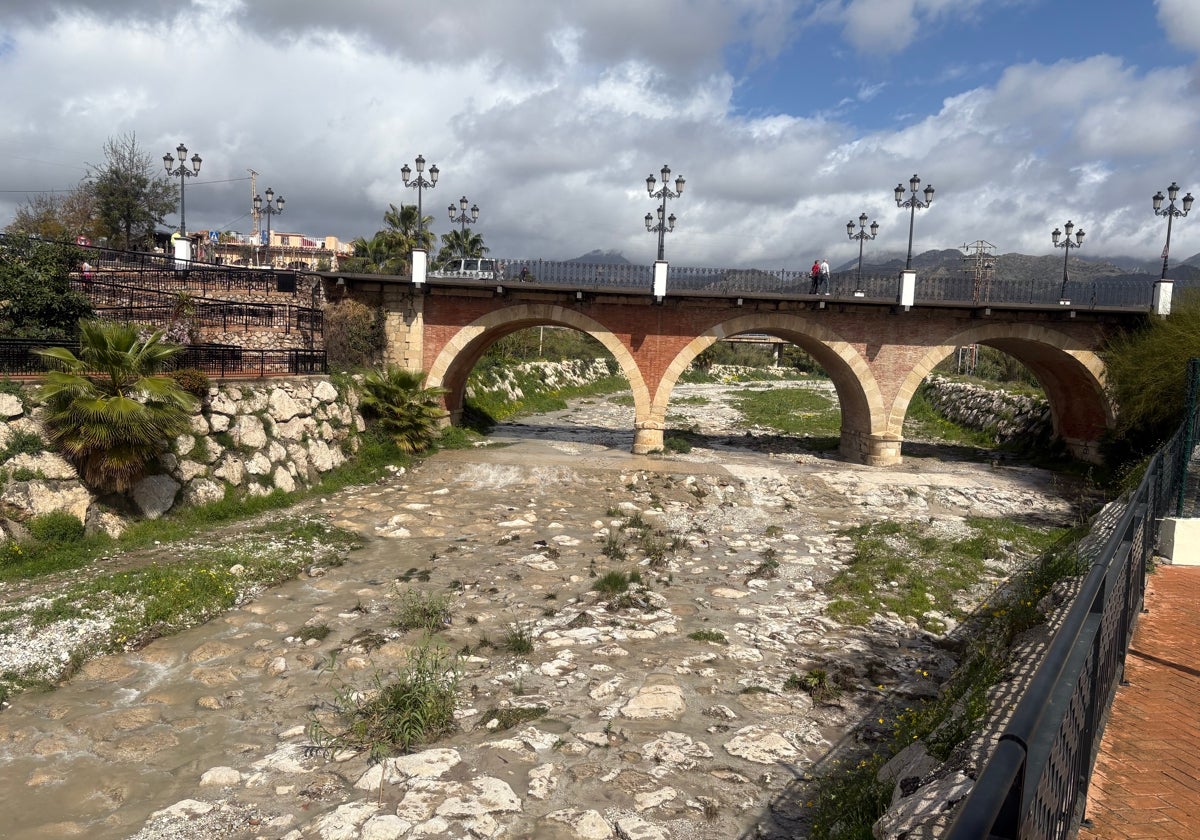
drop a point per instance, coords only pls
(1181, 22)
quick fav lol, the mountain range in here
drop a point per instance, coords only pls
(953, 262)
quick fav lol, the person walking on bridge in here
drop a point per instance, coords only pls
(816, 277)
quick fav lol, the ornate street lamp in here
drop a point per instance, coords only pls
(1066, 244)
(183, 172)
(462, 219)
(268, 209)
(912, 203)
(419, 183)
(862, 236)
(665, 223)
(1171, 212)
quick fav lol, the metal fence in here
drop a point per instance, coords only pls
(18, 356)
(1034, 787)
(114, 300)
(1123, 293)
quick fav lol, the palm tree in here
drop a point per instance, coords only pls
(106, 410)
(389, 250)
(461, 243)
(402, 223)
(407, 412)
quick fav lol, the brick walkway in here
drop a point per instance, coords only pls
(1147, 778)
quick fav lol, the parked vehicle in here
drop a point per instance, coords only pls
(474, 268)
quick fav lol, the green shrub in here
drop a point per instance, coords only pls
(22, 442)
(354, 334)
(611, 583)
(58, 526)
(192, 380)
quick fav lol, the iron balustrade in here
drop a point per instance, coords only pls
(1034, 786)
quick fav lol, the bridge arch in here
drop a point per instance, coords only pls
(1071, 374)
(863, 411)
(462, 352)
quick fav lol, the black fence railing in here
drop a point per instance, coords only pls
(1121, 293)
(18, 356)
(115, 300)
(1034, 787)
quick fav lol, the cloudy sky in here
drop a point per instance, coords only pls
(787, 118)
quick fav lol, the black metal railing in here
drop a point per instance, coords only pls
(1034, 787)
(1122, 293)
(18, 356)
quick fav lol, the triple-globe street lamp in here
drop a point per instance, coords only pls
(913, 203)
(1067, 245)
(268, 209)
(1171, 212)
(862, 236)
(665, 223)
(462, 219)
(183, 172)
(419, 184)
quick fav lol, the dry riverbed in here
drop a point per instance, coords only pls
(667, 711)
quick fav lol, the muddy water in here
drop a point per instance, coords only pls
(514, 534)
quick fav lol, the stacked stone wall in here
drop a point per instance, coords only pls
(254, 437)
(1006, 415)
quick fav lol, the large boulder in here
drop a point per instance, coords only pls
(154, 495)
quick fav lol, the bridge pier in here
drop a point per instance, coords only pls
(873, 450)
(647, 438)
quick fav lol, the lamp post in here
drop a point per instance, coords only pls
(1067, 245)
(419, 183)
(183, 172)
(862, 236)
(663, 225)
(269, 210)
(912, 203)
(1171, 212)
(462, 219)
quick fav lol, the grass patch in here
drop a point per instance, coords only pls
(924, 422)
(413, 709)
(909, 569)
(518, 639)
(420, 611)
(615, 582)
(714, 636)
(320, 632)
(792, 411)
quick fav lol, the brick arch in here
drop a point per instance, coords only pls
(460, 354)
(863, 414)
(1071, 374)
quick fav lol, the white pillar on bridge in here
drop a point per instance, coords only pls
(906, 294)
(420, 266)
(1162, 296)
(660, 280)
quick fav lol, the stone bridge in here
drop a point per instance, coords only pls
(875, 350)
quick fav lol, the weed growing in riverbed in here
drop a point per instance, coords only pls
(714, 636)
(420, 611)
(508, 718)
(416, 708)
(615, 582)
(518, 639)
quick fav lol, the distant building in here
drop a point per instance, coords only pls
(287, 250)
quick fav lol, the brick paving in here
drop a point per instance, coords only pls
(1146, 782)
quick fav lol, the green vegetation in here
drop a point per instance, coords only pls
(1153, 396)
(22, 442)
(406, 412)
(714, 636)
(36, 300)
(818, 683)
(847, 800)
(910, 569)
(792, 411)
(390, 249)
(924, 422)
(615, 582)
(419, 611)
(56, 527)
(415, 708)
(353, 334)
(518, 639)
(107, 410)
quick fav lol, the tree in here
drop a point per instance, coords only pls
(1147, 373)
(461, 243)
(107, 410)
(58, 217)
(36, 299)
(389, 251)
(131, 196)
(404, 410)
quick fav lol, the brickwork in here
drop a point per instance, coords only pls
(1146, 782)
(875, 354)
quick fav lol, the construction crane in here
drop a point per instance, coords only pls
(253, 192)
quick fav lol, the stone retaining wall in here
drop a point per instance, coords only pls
(1006, 415)
(256, 437)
